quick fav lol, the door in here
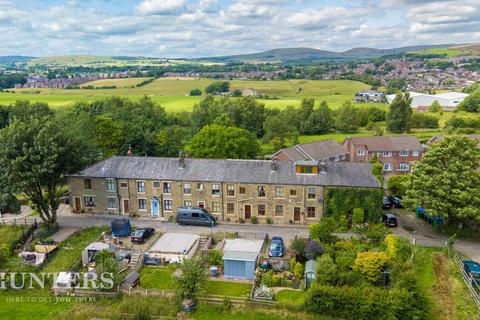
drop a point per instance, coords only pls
(201, 204)
(155, 208)
(248, 211)
(296, 214)
(78, 205)
(126, 206)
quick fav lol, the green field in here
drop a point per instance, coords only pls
(172, 93)
(157, 278)
(119, 83)
(450, 52)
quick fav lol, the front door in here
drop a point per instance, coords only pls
(296, 214)
(126, 206)
(201, 204)
(248, 211)
(155, 208)
(78, 205)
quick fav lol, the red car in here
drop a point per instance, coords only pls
(142, 235)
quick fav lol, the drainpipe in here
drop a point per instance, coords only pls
(223, 205)
(118, 197)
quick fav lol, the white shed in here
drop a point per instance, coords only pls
(91, 250)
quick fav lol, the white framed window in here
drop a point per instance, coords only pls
(187, 188)
(403, 167)
(199, 186)
(415, 153)
(387, 153)
(278, 192)
(230, 190)
(215, 189)
(89, 201)
(167, 204)
(360, 152)
(187, 203)
(111, 185)
(141, 186)
(142, 204)
(404, 153)
(156, 184)
(279, 210)
(387, 167)
(311, 193)
(111, 203)
(167, 187)
(216, 206)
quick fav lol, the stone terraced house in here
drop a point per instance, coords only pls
(285, 191)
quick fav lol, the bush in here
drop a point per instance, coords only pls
(215, 258)
(241, 220)
(298, 248)
(269, 220)
(326, 270)
(338, 201)
(217, 87)
(358, 216)
(323, 231)
(298, 270)
(3, 257)
(376, 232)
(396, 184)
(254, 220)
(391, 241)
(313, 250)
(371, 264)
(293, 262)
(196, 92)
(424, 120)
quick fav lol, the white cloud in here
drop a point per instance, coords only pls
(154, 7)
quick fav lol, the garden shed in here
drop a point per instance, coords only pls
(240, 258)
(91, 250)
(310, 272)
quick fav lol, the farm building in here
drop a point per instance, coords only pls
(422, 101)
(174, 247)
(240, 258)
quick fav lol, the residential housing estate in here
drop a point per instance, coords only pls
(284, 191)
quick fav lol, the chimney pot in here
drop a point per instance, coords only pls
(273, 164)
(130, 152)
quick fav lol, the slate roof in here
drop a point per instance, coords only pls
(234, 171)
(388, 143)
(317, 150)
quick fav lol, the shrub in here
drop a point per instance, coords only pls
(191, 283)
(396, 184)
(371, 264)
(298, 270)
(293, 262)
(391, 241)
(298, 248)
(326, 270)
(254, 220)
(196, 92)
(424, 120)
(269, 220)
(3, 257)
(215, 258)
(376, 232)
(358, 216)
(313, 250)
(323, 231)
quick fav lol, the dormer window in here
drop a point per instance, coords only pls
(306, 167)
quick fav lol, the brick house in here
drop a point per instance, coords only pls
(396, 153)
(323, 150)
(285, 191)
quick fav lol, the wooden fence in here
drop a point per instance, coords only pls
(22, 221)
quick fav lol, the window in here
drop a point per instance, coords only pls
(404, 153)
(142, 204)
(187, 188)
(201, 204)
(343, 157)
(403, 167)
(123, 184)
(215, 189)
(311, 193)
(279, 210)
(261, 191)
(167, 187)
(387, 153)
(199, 186)
(230, 190)
(111, 186)
(111, 203)
(261, 210)
(360, 152)
(156, 184)
(230, 208)
(415, 153)
(167, 205)
(387, 167)
(337, 158)
(87, 183)
(241, 190)
(195, 214)
(306, 169)
(278, 192)
(89, 202)
(215, 206)
(141, 186)
(187, 203)
(310, 212)
(293, 193)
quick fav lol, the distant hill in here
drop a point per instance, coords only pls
(12, 59)
(309, 54)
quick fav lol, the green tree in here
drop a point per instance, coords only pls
(191, 283)
(196, 92)
(222, 142)
(424, 120)
(107, 135)
(237, 93)
(471, 103)
(396, 85)
(447, 182)
(36, 155)
(321, 120)
(399, 114)
(171, 140)
(218, 87)
(278, 129)
(347, 118)
(306, 109)
(435, 107)
(397, 184)
(326, 270)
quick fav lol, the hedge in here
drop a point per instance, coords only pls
(341, 201)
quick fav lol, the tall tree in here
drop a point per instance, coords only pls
(107, 135)
(222, 142)
(306, 109)
(278, 129)
(36, 154)
(399, 113)
(321, 120)
(347, 118)
(447, 182)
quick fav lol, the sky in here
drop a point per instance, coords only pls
(202, 28)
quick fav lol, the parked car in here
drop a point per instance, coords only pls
(142, 235)
(195, 217)
(473, 269)
(276, 247)
(396, 201)
(149, 260)
(389, 220)
(387, 203)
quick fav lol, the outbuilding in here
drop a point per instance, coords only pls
(91, 250)
(240, 258)
(174, 247)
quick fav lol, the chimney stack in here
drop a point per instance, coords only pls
(273, 164)
(181, 159)
(130, 152)
(323, 166)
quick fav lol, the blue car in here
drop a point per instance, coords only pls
(473, 269)
(276, 247)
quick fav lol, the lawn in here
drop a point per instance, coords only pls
(10, 234)
(291, 297)
(227, 288)
(70, 251)
(212, 312)
(157, 278)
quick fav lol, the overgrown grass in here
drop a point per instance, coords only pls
(157, 278)
(212, 312)
(10, 234)
(291, 297)
(227, 288)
